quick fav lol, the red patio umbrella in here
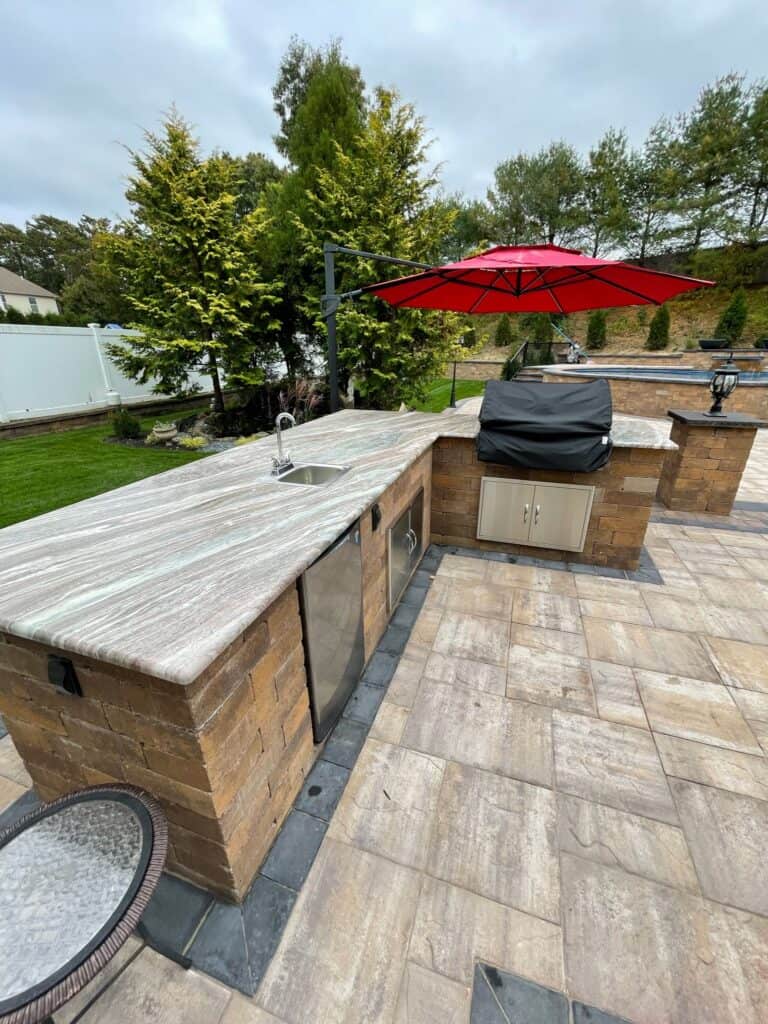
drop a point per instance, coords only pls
(533, 279)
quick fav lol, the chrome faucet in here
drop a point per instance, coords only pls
(282, 461)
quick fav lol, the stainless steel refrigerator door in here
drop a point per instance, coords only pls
(332, 607)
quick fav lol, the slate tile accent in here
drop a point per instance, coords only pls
(294, 850)
(501, 998)
(345, 742)
(220, 949)
(174, 915)
(322, 789)
(265, 914)
(381, 667)
(26, 803)
(413, 597)
(394, 640)
(421, 579)
(364, 703)
(405, 615)
(236, 943)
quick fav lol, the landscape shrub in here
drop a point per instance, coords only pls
(510, 369)
(504, 332)
(125, 425)
(597, 330)
(658, 332)
(734, 318)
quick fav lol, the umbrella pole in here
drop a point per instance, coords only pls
(452, 403)
(331, 303)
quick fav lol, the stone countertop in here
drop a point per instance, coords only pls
(162, 575)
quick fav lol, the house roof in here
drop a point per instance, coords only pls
(12, 284)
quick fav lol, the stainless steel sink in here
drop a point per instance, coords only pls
(314, 475)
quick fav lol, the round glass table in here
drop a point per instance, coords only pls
(75, 878)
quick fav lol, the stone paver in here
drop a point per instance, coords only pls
(714, 766)
(610, 764)
(483, 730)
(344, 949)
(389, 723)
(496, 837)
(549, 639)
(740, 664)
(659, 650)
(454, 928)
(547, 677)
(478, 675)
(616, 694)
(153, 988)
(471, 636)
(548, 611)
(726, 834)
(639, 845)
(11, 765)
(430, 998)
(654, 955)
(389, 803)
(695, 710)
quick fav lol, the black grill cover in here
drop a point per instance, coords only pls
(546, 426)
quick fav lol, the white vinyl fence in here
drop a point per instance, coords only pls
(48, 371)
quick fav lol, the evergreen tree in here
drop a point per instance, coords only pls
(658, 331)
(606, 194)
(597, 329)
(190, 268)
(652, 186)
(711, 148)
(320, 100)
(734, 318)
(503, 337)
(381, 198)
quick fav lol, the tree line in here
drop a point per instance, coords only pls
(219, 260)
(699, 180)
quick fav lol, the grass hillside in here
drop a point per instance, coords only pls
(693, 316)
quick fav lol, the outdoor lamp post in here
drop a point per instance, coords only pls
(722, 384)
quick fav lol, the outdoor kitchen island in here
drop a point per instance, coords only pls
(172, 606)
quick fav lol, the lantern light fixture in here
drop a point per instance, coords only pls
(722, 384)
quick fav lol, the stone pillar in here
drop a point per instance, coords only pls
(704, 474)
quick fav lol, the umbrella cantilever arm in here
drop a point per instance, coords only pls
(332, 300)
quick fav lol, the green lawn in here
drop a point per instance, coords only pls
(41, 473)
(439, 395)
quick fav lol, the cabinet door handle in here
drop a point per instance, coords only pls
(414, 540)
(526, 510)
(536, 514)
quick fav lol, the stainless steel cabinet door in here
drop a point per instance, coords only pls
(332, 607)
(400, 545)
(406, 544)
(560, 516)
(417, 528)
(506, 509)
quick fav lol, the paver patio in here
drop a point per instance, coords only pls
(567, 781)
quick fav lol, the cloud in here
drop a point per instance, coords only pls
(490, 77)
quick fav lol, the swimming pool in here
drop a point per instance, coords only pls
(661, 373)
(654, 390)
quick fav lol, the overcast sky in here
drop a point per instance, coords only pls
(490, 77)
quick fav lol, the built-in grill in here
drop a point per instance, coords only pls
(562, 427)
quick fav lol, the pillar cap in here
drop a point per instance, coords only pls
(733, 420)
